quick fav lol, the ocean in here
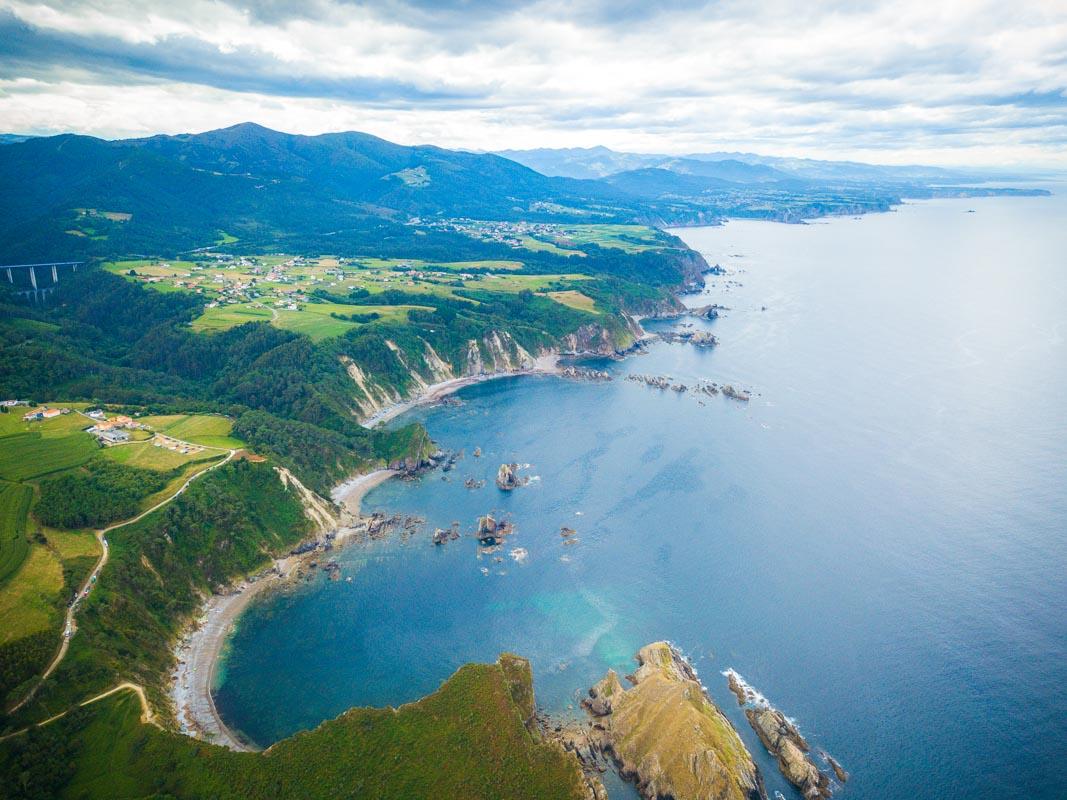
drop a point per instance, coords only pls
(876, 541)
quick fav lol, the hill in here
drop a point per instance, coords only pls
(81, 196)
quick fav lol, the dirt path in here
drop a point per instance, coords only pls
(69, 623)
(147, 716)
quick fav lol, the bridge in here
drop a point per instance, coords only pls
(37, 279)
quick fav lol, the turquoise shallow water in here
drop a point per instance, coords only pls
(877, 542)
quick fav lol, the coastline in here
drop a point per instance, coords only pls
(546, 364)
(201, 644)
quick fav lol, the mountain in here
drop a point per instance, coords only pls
(599, 162)
(257, 190)
(12, 138)
(79, 196)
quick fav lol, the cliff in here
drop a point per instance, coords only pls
(667, 735)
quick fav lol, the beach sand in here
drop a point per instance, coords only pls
(199, 649)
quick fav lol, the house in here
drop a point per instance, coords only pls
(96, 413)
(33, 416)
(113, 436)
(49, 413)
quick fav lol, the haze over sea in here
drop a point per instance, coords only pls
(876, 541)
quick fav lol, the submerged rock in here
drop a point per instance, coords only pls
(735, 394)
(667, 735)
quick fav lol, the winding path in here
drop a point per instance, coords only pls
(69, 622)
(147, 716)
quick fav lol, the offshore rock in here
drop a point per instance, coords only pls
(784, 742)
(735, 394)
(507, 477)
(667, 735)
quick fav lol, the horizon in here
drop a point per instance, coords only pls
(896, 83)
(1026, 172)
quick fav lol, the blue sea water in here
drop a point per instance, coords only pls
(877, 541)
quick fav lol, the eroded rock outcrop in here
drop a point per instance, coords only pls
(667, 735)
(507, 477)
(783, 741)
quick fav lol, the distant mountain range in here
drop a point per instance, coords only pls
(252, 188)
(599, 162)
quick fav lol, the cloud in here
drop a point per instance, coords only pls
(952, 82)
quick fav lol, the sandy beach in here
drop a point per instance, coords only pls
(547, 364)
(198, 651)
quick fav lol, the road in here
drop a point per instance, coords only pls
(69, 622)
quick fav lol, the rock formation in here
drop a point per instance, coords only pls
(507, 477)
(667, 735)
(783, 741)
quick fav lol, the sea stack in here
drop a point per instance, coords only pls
(507, 477)
(667, 735)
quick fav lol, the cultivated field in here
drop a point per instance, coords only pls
(33, 454)
(14, 505)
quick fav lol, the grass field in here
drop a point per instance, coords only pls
(631, 238)
(574, 299)
(209, 430)
(147, 456)
(312, 319)
(62, 425)
(27, 602)
(73, 544)
(14, 505)
(31, 455)
(222, 318)
(530, 243)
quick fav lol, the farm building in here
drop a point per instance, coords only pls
(113, 436)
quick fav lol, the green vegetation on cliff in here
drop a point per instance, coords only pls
(468, 739)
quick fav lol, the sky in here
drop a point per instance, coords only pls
(911, 81)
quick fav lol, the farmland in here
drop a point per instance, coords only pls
(204, 429)
(14, 505)
(32, 454)
(306, 295)
(147, 455)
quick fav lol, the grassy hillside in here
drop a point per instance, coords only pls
(225, 525)
(468, 739)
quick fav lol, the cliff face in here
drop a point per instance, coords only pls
(416, 366)
(668, 736)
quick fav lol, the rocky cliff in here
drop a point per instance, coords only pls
(667, 735)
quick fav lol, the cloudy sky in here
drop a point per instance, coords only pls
(932, 81)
